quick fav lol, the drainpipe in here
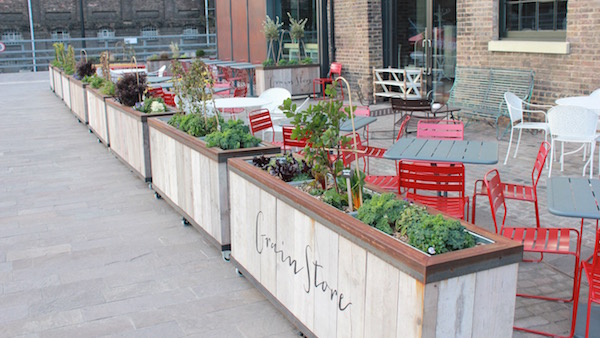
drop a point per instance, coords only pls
(332, 28)
(323, 37)
(32, 37)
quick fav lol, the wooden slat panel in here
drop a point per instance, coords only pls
(325, 254)
(381, 310)
(66, 90)
(411, 298)
(352, 270)
(456, 295)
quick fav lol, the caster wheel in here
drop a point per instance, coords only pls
(150, 185)
(226, 255)
(99, 141)
(157, 195)
(78, 120)
(90, 131)
(238, 272)
(185, 222)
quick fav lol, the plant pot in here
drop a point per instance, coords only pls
(193, 178)
(333, 275)
(78, 96)
(297, 79)
(129, 136)
(96, 107)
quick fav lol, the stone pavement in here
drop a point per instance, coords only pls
(86, 250)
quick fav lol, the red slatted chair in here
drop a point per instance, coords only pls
(288, 142)
(440, 129)
(237, 92)
(260, 120)
(538, 240)
(169, 98)
(430, 183)
(403, 125)
(520, 192)
(155, 92)
(591, 271)
(335, 68)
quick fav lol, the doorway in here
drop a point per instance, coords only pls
(422, 34)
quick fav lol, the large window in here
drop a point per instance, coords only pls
(11, 36)
(60, 34)
(534, 19)
(149, 32)
(299, 10)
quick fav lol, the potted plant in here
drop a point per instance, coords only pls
(334, 274)
(293, 75)
(127, 120)
(68, 70)
(84, 69)
(100, 89)
(189, 167)
(57, 65)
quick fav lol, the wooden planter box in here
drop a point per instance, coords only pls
(129, 136)
(78, 96)
(96, 107)
(66, 92)
(57, 75)
(297, 79)
(51, 77)
(193, 178)
(335, 276)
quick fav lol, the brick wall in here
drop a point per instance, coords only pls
(576, 73)
(358, 42)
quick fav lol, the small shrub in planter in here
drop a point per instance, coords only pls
(200, 53)
(233, 135)
(84, 69)
(195, 124)
(69, 63)
(287, 168)
(130, 89)
(108, 88)
(151, 105)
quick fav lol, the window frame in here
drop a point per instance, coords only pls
(11, 36)
(536, 35)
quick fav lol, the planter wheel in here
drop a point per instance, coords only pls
(239, 272)
(185, 222)
(157, 195)
(90, 131)
(226, 255)
(99, 141)
(150, 185)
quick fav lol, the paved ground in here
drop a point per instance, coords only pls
(86, 250)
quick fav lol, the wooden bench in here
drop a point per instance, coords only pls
(479, 92)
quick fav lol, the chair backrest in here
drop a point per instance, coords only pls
(260, 119)
(155, 92)
(440, 130)
(401, 132)
(240, 91)
(169, 98)
(288, 142)
(538, 165)
(572, 122)
(335, 68)
(418, 178)
(302, 106)
(515, 106)
(400, 104)
(348, 156)
(276, 96)
(360, 110)
(495, 193)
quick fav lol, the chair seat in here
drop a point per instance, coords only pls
(544, 240)
(453, 206)
(511, 191)
(533, 125)
(385, 182)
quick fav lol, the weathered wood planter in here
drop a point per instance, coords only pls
(193, 178)
(57, 75)
(129, 136)
(297, 79)
(51, 77)
(66, 92)
(335, 276)
(96, 107)
(78, 96)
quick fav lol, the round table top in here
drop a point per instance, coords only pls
(240, 102)
(589, 102)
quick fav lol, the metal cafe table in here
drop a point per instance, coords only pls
(465, 151)
(576, 197)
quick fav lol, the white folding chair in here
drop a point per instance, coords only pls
(575, 125)
(516, 109)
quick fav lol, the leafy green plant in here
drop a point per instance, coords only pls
(234, 135)
(194, 124)
(335, 199)
(268, 63)
(152, 57)
(59, 55)
(96, 81)
(382, 212)
(306, 61)
(164, 56)
(436, 235)
(272, 30)
(283, 62)
(200, 53)
(174, 46)
(194, 87)
(288, 169)
(108, 88)
(131, 88)
(151, 105)
(85, 68)
(69, 63)
(293, 62)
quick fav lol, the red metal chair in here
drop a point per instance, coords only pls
(441, 129)
(520, 192)
(591, 271)
(260, 120)
(237, 92)
(538, 240)
(169, 98)
(403, 124)
(288, 142)
(365, 150)
(335, 68)
(155, 92)
(430, 183)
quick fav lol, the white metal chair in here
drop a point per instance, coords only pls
(276, 96)
(575, 125)
(517, 121)
(160, 72)
(595, 92)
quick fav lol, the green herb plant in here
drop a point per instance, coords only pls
(69, 63)
(382, 212)
(297, 33)
(152, 105)
(233, 135)
(59, 55)
(174, 46)
(195, 124)
(195, 87)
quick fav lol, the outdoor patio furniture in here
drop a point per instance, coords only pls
(596, 93)
(399, 83)
(591, 271)
(334, 69)
(237, 92)
(276, 96)
(542, 240)
(517, 191)
(516, 109)
(440, 130)
(430, 183)
(575, 125)
(471, 151)
(260, 120)
(159, 72)
(479, 92)
(288, 142)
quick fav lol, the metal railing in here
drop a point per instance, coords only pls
(19, 56)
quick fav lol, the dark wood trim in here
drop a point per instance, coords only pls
(215, 154)
(421, 266)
